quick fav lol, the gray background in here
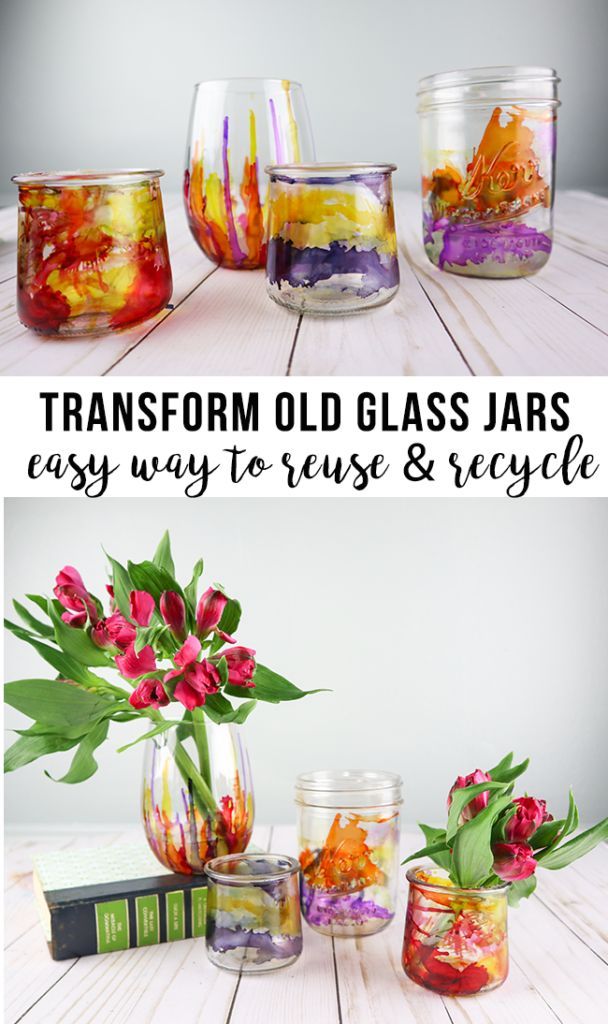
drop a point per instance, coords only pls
(86, 83)
(450, 631)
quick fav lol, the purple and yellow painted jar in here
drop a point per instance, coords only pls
(332, 246)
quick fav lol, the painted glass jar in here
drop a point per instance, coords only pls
(455, 940)
(348, 835)
(332, 246)
(183, 830)
(488, 161)
(253, 912)
(236, 126)
(92, 251)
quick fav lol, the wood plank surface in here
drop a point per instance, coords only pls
(222, 322)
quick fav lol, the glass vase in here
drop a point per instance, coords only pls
(253, 912)
(92, 251)
(237, 125)
(348, 836)
(332, 246)
(188, 822)
(488, 164)
(455, 940)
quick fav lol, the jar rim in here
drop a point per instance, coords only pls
(73, 179)
(338, 168)
(500, 73)
(256, 79)
(454, 890)
(214, 868)
(347, 780)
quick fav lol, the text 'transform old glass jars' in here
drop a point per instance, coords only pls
(348, 835)
(488, 159)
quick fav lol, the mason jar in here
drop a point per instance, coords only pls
(488, 168)
(92, 251)
(253, 912)
(348, 836)
(455, 940)
(332, 246)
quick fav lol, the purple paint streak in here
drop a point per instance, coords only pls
(237, 254)
(307, 267)
(326, 909)
(268, 946)
(477, 243)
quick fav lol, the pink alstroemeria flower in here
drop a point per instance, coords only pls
(142, 607)
(196, 679)
(71, 592)
(209, 612)
(241, 666)
(149, 694)
(513, 861)
(132, 665)
(113, 632)
(478, 802)
(529, 815)
(173, 611)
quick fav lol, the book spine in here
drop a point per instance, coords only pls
(106, 926)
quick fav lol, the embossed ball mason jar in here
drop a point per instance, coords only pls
(455, 940)
(332, 246)
(348, 835)
(488, 139)
(253, 912)
(92, 251)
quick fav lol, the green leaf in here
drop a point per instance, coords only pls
(508, 774)
(472, 857)
(122, 585)
(191, 591)
(68, 732)
(159, 637)
(27, 748)
(156, 731)
(83, 763)
(64, 664)
(41, 628)
(231, 616)
(40, 601)
(56, 703)
(462, 797)
(77, 642)
(162, 556)
(271, 687)
(568, 852)
(432, 835)
(221, 710)
(506, 762)
(571, 823)
(438, 852)
(222, 668)
(153, 579)
(521, 890)
(546, 834)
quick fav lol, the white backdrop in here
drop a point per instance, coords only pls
(85, 83)
(449, 631)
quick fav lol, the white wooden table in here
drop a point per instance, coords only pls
(558, 941)
(222, 322)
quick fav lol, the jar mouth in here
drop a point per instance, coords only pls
(501, 85)
(339, 170)
(449, 889)
(487, 76)
(74, 179)
(356, 789)
(240, 82)
(239, 868)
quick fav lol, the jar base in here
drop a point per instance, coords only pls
(317, 302)
(453, 995)
(92, 325)
(240, 964)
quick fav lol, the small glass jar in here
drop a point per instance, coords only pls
(92, 251)
(488, 162)
(332, 246)
(348, 835)
(253, 912)
(455, 940)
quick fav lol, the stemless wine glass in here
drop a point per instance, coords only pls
(237, 125)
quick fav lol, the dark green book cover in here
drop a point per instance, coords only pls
(112, 898)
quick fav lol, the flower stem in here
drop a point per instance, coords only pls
(203, 796)
(202, 744)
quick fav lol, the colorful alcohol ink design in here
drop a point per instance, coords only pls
(253, 912)
(455, 940)
(92, 257)
(332, 245)
(180, 835)
(347, 885)
(490, 215)
(222, 194)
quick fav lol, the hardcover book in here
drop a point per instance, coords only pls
(112, 898)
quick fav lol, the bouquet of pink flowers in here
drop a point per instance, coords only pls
(167, 647)
(492, 837)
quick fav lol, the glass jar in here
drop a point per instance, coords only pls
(348, 835)
(182, 830)
(332, 246)
(92, 251)
(455, 940)
(236, 126)
(253, 912)
(488, 161)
